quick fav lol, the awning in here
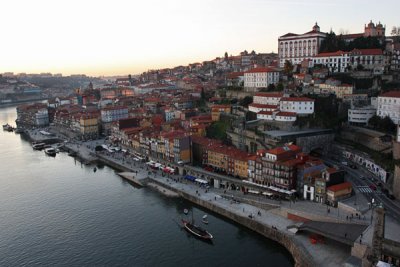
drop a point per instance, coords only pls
(201, 181)
(190, 178)
(267, 194)
(253, 191)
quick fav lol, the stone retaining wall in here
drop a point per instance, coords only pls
(300, 254)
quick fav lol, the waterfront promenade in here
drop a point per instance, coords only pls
(328, 253)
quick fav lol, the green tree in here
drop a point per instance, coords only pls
(280, 87)
(288, 67)
(271, 87)
(217, 130)
(246, 101)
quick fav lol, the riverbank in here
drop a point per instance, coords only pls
(271, 224)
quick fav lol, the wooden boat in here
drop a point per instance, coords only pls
(50, 151)
(197, 231)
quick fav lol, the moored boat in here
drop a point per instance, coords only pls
(197, 231)
(50, 151)
(38, 146)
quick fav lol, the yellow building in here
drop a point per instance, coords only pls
(89, 125)
(217, 110)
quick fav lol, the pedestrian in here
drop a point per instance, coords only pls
(347, 217)
(215, 198)
(345, 235)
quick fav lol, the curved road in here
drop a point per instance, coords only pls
(354, 176)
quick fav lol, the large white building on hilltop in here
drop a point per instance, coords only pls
(297, 47)
(389, 106)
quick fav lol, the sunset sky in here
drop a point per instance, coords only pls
(98, 37)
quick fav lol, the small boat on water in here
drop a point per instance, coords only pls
(204, 219)
(8, 127)
(38, 146)
(186, 211)
(50, 151)
(94, 169)
(197, 231)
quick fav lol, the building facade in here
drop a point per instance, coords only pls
(297, 47)
(389, 106)
(260, 78)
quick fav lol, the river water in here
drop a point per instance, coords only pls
(57, 212)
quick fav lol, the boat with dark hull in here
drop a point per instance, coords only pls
(50, 151)
(197, 231)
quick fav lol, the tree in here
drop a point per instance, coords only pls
(246, 101)
(279, 87)
(395, 31)
(288, 67)
(271, 87)
(203, 95)
(226, 55)
(217, 130)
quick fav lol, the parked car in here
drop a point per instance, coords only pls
(372, 186)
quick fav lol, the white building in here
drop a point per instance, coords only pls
(260, 78)
(335, 61)
(254, 107)
(370, 59)
(271, 98)
(42, 117)
(277, 116)
(389, 105)
(297, 105)
(297, 47)
(360, 115)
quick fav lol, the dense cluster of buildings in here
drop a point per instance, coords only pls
(164, 114)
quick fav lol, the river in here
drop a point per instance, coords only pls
(58, 212)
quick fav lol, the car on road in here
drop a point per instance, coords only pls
(372, 186)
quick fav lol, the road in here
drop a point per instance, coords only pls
(362, 186)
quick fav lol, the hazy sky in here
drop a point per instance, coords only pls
(100, 37)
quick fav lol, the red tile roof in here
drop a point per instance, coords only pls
(391, 94)
(332, 54)
(339, 187)
(297, 99)
(373, 51)
(287, 114)
(289, 35)
(271, 94)
(281, 150)
(234, 75)
(261, 69)
(264, 112)
(256, 105)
